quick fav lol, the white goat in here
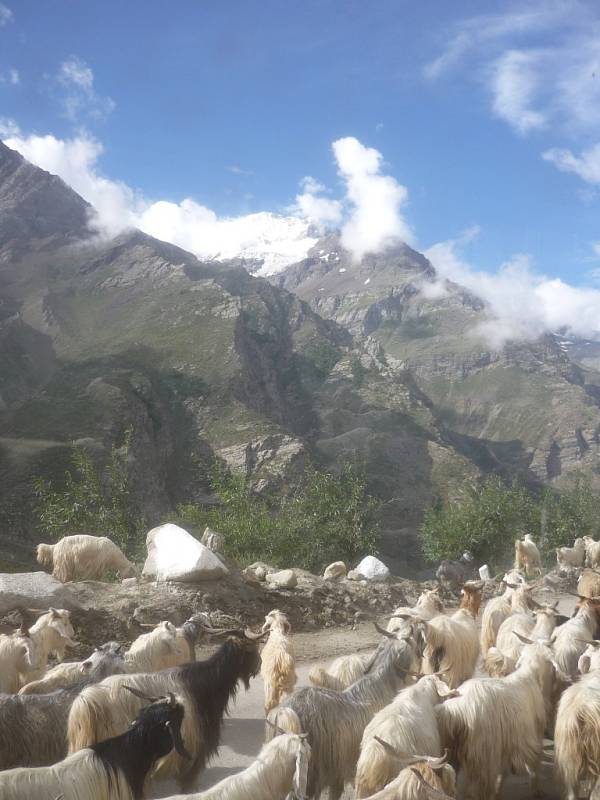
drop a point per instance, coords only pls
(420, 778)
(159, 649)
(592, 552)
(269, 777)
(335, 721)
(18, 655)
(84, 557)
(51, 634)
(428, 605)
(496, 725)
(570, 637)
(502, 659)
(567, 557)
(497, 610)
(527, 556)
(278, 659)
(408, 725)
(453, 642)
(69, 672)
(341, 673)
(577, 730)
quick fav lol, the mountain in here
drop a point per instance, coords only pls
(200, 361)
(534, 406)
(326, 359)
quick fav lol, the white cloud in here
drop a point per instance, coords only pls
(312, 205)
(6, 15)
(586, 165)
(237, 170)
(522, 303)
(11, 77)
(80, 99)
(514, 82)
(375, 200)
(541, 66)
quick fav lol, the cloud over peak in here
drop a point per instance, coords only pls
(522, 304)
(375, 201)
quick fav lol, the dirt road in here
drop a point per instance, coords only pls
(243, 731)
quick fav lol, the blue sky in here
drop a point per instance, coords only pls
(231, 104)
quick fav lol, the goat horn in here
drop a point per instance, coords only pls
(277, 728)
(383, 632)
(254, 637)
(592, 642)
(523, 638)
(141, 695)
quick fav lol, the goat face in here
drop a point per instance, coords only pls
(159, 725)
(250, 660)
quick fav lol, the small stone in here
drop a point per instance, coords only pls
(335, 570)
(284, 579)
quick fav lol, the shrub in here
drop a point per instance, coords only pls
(487, 521)
(325, 518)
(92, 500)
(491, 516)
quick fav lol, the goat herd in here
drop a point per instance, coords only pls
(396, 724)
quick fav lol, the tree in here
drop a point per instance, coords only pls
(486, 522)
(325, 518)
(92, 500)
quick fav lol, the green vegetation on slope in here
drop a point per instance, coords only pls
(326, 518)
(93, 500)
(489, 518)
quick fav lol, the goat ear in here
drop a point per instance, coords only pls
(584, 664)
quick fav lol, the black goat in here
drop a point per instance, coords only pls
(205, 686)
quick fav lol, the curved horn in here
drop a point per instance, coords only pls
(254, 637)
(592, 642)
(141, 695)
(524, 639)
(383, 632)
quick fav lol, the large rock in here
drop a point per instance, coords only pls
(174, 555)
(34, 590)
(373, 569)
(284, 579)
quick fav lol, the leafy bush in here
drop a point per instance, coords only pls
(486, 522)
(92, 500)
(491, 516)
(326, 518)
(573, 512)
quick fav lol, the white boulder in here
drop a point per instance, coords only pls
(335, 570)
(174, 555)
(284, 579)
(373, 569)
